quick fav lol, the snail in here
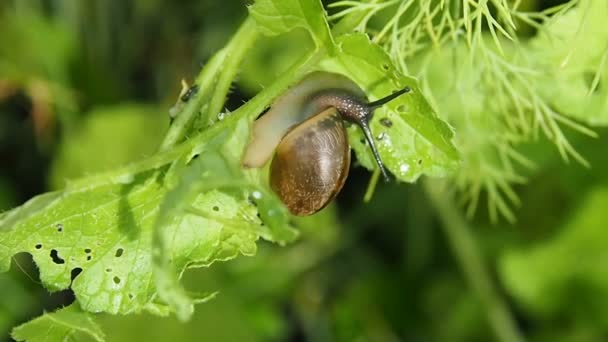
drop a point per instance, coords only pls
(305, 130)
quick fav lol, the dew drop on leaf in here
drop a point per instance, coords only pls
(257, 195)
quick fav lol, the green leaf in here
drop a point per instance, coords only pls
(568, 272)
(279, 16)
(417, 141)
(100, 229)
(205, 175)
(66, 324)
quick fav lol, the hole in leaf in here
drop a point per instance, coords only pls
(363, 141)
(75, 272)
(402, 108)
(419, 161)
(108, 270)
(56, 258)
(116, 280)
(130, 296)
(87, 250)
(38, 246)
(119, 252)
(59, 227)
(88, 257)
(385, 66)
(216, 208)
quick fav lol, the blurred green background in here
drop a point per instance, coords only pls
(87, 85)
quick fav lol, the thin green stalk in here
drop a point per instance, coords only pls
(219, 71)
(256, 105)
(235, 52)
(371, 187)
(462, 241)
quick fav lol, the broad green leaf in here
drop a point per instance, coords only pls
(96, 236)
(66, 324)
(279, 16)
(205, 174)
(572, 59)
(412, 140)
(568, 272)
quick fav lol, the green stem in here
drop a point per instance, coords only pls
(215, 73)
(256, 105)
(463, 244)
(235, 52)
(249, 111)
(371, 186)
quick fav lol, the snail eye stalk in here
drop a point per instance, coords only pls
(389, 98)
(367, 131)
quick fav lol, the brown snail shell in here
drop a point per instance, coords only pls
(311, 163)
(304, 129)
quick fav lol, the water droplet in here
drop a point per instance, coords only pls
(404, 168)
(381, 136)
(221, 116)
(257, 195)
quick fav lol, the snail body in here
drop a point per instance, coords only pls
(305, 131)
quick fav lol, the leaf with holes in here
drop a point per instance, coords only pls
(96, 236)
